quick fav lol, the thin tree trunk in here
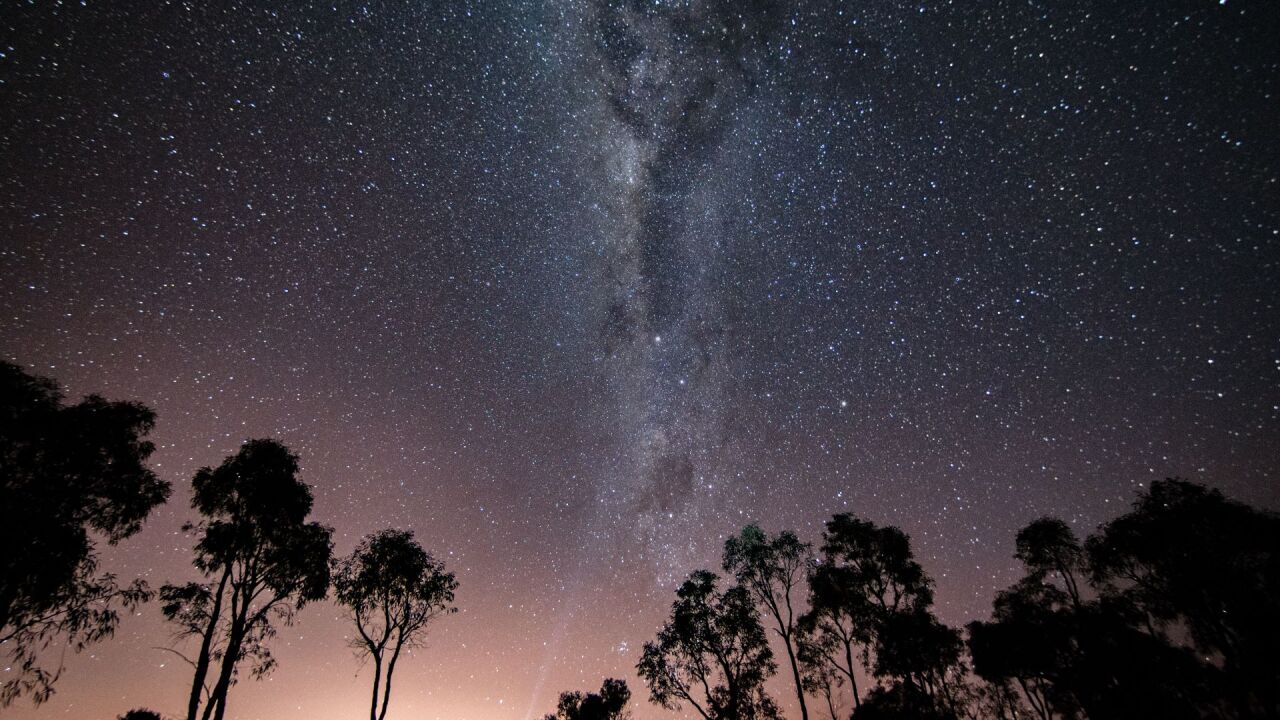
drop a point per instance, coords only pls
(831, 705)
(785, 630)
(853, 682)
(206, 645)
(235, 642)
(391, 668)
(218, 703)
(795, 674)
(377, 679)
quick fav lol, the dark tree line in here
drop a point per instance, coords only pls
(1171, 610)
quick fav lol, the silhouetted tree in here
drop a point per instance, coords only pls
(836, 630)
(609, 704)
(874, 566)
(901, 701)
(866, 576)
(992, 701)
(917, 652)
(773, 569)
(141, 714)
(1092, 633)
(262, 559)
(1053, 558)
(1030, 644)
(68, 474)
(711, 653)
(1033, 641)
(818, 673)
(393, 590)
(1187, 561)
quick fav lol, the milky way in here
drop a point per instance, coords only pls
(575, 289)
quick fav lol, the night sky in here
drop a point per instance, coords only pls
(574, 289)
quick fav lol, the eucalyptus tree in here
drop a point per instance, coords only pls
(1168, 610)
(836, 631)
(871, 611)
(262, 562)
(774, 569)
(1188, 562)
(712, 653)
(70, 477)
(392, 589)
(865, 576)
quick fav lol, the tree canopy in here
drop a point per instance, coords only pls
(262, 562)
(70, 475)
(711, 653)
(774, 569)
(392, 589)
(871, 600)
(608, 704)
(1169, 610)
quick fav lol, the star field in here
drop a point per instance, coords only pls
(575, 289)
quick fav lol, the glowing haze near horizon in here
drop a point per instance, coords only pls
(575, 289)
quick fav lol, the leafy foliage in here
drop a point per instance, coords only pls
(870, 601)
(68, 473)
(262, 561)
(712, 653)
(773, 569)
(1170, 610)
(141, 714)
(609, 704)
(392, 589)
(1189, 559)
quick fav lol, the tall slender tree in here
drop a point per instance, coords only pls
(774, 569)
(870, 599)
(262, 562)
(70, 476)
(837, 629)
(866, 575)
(392, 589)
(712, 653)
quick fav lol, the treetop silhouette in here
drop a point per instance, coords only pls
(262, 561)
(609, 704)
(712, 653)
(392, 589)
(774, 569)
(1169, 610)
(69, 475)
